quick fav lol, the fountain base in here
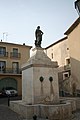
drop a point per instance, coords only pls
(60, 111)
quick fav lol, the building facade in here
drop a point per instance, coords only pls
(12, 56)
(66, 53)
(73, 34)
(59, 51)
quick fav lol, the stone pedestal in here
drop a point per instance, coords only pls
(36, 84)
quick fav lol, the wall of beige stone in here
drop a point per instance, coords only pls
(25, 54)
(60, 52)
(74, 45)
(21, 49)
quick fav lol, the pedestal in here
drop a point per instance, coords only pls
(35, 90)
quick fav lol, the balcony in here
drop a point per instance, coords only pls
(3, 54)
(15, 55)
(10, 71)
(67, 67)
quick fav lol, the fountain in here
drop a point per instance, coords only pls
(40, 91)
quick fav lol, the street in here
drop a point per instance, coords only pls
(4, 100)
(5, 112)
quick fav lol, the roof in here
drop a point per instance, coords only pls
(1, 42)
(73, 26)
(56, 42)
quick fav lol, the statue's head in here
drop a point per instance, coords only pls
(38, 27)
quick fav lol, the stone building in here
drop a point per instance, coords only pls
(12, 56)
(59, 51)
(66, 52)
(73, 34)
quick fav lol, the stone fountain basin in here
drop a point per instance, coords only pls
(60, 111)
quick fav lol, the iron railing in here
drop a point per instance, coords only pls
(11, 71)
(3, 54)
(15, 55)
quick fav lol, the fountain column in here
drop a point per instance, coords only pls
(35, 78)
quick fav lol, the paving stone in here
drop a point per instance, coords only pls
(7, 114)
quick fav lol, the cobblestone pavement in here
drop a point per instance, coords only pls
(7, 114)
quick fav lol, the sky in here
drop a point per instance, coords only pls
(20, 18)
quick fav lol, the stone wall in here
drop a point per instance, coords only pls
(53, 112)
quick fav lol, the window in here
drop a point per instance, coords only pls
(15, 52)
(2, 51)
(65, 75)
(51, 55)
(2, 66)
(15, 67)
(68, 61)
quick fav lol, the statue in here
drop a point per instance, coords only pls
(38, 35)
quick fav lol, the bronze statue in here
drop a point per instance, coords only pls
(38, 35)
